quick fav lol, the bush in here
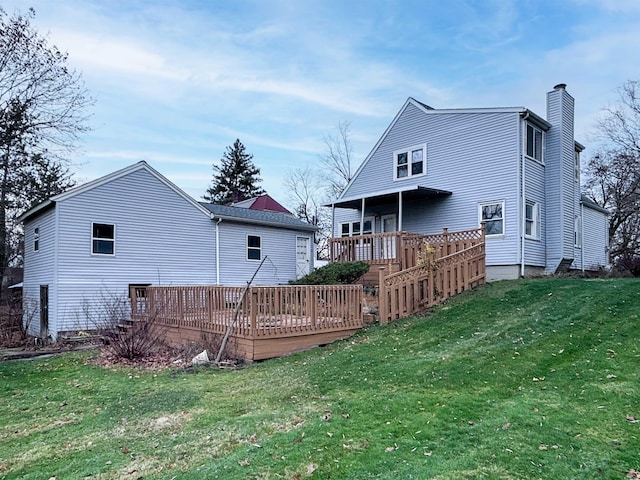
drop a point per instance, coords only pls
(629, 263)
(335, 274)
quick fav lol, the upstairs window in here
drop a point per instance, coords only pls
(103, 239)
(36, 239)
(411, 162)
(491, 214)
(254, 247)
(577, 232)
(534, 143)
(532, 220)
(577, 166)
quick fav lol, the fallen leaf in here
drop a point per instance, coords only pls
(329, 434)
(543, 447)
(390, 449)
(611, 375)
(244, 463)
(311, 468)
(345, 415)
(633, 474)
(125, 450)
(428, 454)
(505, 426)
(632, 419)
(327, 415)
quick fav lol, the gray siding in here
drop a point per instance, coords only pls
(278, 244)
(534, 249)
(161, 239)
(561, 202)
(595, 239)
(473, 155)
(39, 269)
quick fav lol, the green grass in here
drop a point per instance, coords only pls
(522, 379)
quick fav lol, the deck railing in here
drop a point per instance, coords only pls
(400, 247)
(273, 311)
(422, 286)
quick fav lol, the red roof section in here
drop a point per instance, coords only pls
(265, 202)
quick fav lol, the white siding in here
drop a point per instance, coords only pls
(161, 239)
(278, 244)
(596, 239)
(39, 269)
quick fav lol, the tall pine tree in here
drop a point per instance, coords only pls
(235, 179)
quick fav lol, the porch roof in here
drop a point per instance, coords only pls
(380, 198)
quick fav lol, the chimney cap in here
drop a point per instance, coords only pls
(560, 86)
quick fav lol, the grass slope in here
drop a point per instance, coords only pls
(522, 379)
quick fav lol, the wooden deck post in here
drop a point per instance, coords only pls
(253, 311)
(382, 296)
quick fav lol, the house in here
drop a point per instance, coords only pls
(509, 169)
(86, 247)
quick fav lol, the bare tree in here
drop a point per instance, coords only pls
(42, 115)
(338, 159)
(305, 191)
(613, 174)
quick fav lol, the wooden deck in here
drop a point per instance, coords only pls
(271, 322)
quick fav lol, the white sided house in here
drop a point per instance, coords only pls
(86, 247)
(513, 171)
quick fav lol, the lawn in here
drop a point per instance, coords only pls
(522, 379)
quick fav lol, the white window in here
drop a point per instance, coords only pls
(254, 247)
(410, 162)
(350, 229)
(532, 220)
(577, 232)
(491, 214)
(36, 239)
(103, 239)
(535, 142)
(577, 166)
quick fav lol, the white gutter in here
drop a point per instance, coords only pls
(217, 249)
(581, 236)
(523, 206)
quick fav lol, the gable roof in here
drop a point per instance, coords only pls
(263, 202)
(587, 202)
(77, 190)
(428, 110)
(260, 217)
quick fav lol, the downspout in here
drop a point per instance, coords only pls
(400, 211)
(582, 237)
(217, 249)
(523, 202)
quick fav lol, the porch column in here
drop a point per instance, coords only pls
(400, 211)
(333, 229)
(362, 218)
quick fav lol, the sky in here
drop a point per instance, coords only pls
(176, 82)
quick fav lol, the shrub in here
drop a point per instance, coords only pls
(335, 274)
(629, 263)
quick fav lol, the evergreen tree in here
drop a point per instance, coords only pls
(236, 178)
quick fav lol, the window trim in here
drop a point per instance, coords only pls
(535, 220)
(36, 239)
(360, 232)
(577, 166)
(409, 151)
(577, 232)
(258, 248)
(481, 221)
(104, 239)
(526, 142)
